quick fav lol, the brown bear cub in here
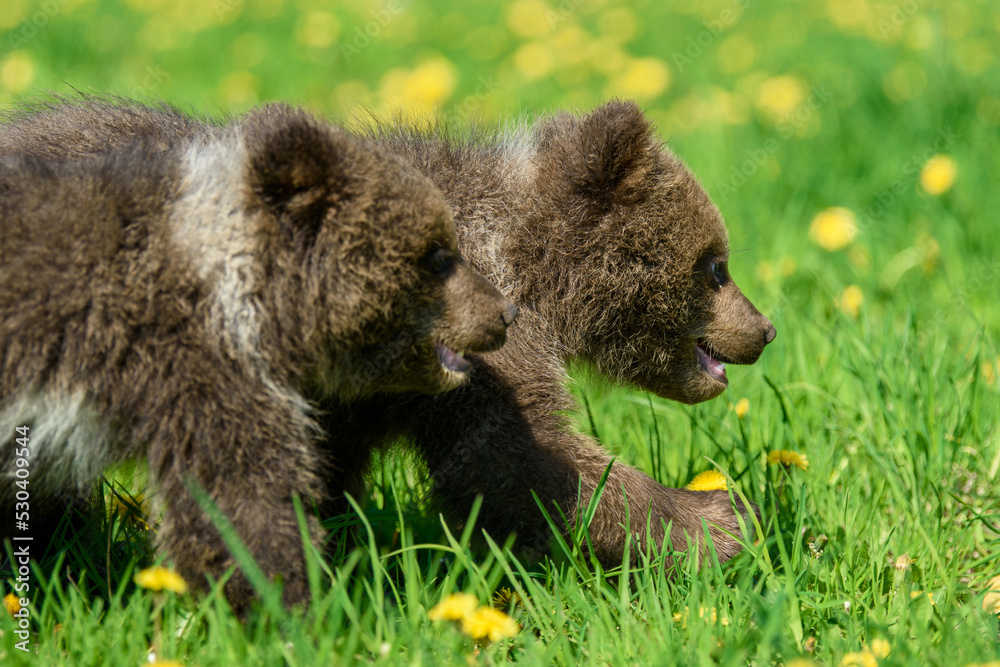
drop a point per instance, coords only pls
(189, 301)
(615, 255)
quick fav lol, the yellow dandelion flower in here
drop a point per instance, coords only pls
(742, 407)
(17, 72)
(991, 602)
(917, 594)
(534, 60)
(158, 578)
(455, 607)
(879, 647)
(710, 480)
(788, 458)
(863, 658)
(780, 95)
(505, 599)
(800, 662)
(12, 603)
(938, 175)
(488, 623)
(705, 613)
(850, 300)
(834, 228)
(619, 24)
(166, 663)
(529, 18)
(318, 30)
(642, 78)
(430, 83)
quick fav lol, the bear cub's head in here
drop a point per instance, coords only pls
(644, 258)
(383, 296)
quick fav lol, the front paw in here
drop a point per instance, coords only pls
(689, 509)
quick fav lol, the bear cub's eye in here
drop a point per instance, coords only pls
(719, 272)
(440, 261)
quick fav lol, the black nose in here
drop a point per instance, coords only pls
(769, 333)
(509, 315)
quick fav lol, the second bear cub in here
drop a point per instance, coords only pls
(184, 302)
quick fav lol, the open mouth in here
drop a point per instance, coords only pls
(451, 360)
(711, 361)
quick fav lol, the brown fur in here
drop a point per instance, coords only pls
(181, 300)
(616, 257)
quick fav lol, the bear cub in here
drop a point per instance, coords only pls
(617, 258)
(191, 301)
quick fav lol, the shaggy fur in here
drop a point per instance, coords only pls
(616, 257)
(184, 300)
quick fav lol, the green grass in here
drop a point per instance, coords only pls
(896, 409)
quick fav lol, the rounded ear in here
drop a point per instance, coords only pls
(296, 165)
(604, 155)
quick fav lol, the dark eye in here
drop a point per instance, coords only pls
(719, 272)
(440, 261)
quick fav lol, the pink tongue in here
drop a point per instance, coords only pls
(712, 366)
(450, 359)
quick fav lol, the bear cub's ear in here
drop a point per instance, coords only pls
(295, 165)
(606, 155)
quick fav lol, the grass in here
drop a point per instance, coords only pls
(784, 110)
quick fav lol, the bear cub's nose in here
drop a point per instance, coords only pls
(769, 333)
(510, 314)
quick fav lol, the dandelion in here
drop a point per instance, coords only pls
(788, 458)
(938, 175)
(863, 658)
(903, 562)
(780, 95)
(17, 71)
(710, 480)
(534, 60)
(159, 578)
(834, 228)
(166, 663)
(742, 407)
(12, 603)
(455, 607)
(529, 18)
(991, 602)
(489, 623)
(879, 647)
(642, 78)
(505, 599)
(850, 300)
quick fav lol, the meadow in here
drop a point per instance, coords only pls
(851, 146)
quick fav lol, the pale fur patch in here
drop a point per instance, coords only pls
(69, 443)
(210, 224)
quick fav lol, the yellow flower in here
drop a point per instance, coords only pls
(455, 607)
(529, 18)
(506, 599)
(12, 603)
(780, 95)
(904, 562)
(710, 480)
(863, 658)
(17, 71)
(643, 79)
(166, 663)
(834, 228)
(711, 612)
(879, 647)
(938, 175)
(742, 407)
(158, 578)
(991, 602)
(850, 300)
(788, 458)
(488, 623)
(534, 60)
